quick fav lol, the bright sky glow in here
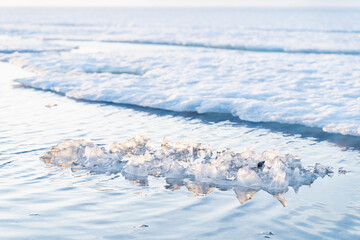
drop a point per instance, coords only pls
(178, 3)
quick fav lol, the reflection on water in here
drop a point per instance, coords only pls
(243, 194)
(84, 204)
(193, 165)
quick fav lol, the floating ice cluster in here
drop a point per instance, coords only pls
(297, 72)
(316, 90)
(194, 165)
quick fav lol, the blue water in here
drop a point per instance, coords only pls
(83, 54)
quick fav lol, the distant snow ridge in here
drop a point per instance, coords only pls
(194, 165)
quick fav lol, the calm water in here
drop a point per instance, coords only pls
(41, 201)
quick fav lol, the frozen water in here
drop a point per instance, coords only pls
(246, 172)
(317, 91)
(276, 68)
(261, 71)
(95, 198)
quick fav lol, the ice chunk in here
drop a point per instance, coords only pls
(342, 170)
(194, 165)
(323, 170)
(248, 178)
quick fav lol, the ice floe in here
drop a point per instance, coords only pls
(195, 165)
(317, 91)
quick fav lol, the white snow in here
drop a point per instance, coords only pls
(314, 90)
(302, 70)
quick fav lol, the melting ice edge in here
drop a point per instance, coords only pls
(194, 165)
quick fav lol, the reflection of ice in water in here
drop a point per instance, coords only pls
(190, 164)
(199, 188)
(244, 194)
